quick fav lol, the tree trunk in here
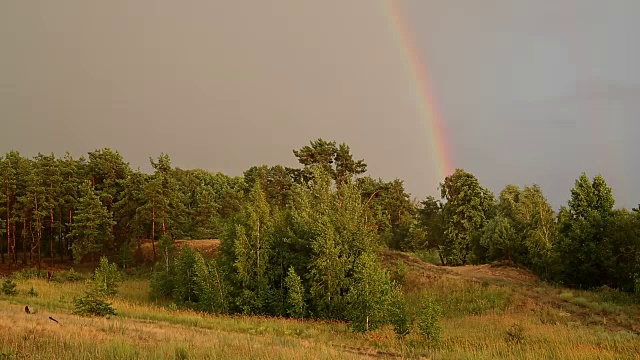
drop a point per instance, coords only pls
(8, 227)
(51, 237)
(66, 238)
(13, 245)
(24, 241)
(153, 229)
(60, 244)
(31, 246)
(509, 255)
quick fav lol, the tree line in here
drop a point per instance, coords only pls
(72, 208)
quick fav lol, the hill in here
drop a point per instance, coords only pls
(489, 311)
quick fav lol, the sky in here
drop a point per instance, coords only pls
(529, 91)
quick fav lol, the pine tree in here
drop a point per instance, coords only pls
(92, 226)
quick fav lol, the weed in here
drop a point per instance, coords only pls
(515, 334)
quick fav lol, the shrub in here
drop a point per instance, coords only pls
(32, 292)
(515, 334)
(105, 278)
(93, 304)
(400, 271)
(428, 319)
(398, 316)
(67, 276)
(9, 287)
(30, 273)
(103, 284)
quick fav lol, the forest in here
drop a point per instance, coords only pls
(303, 242)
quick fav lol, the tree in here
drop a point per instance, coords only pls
(48, 170)
(11, 169)
(131, 212)
(295, 294)
(92, 226)
(390, 208)
(468, 207)
(500, 238)
(105, 278)
(334, 159)
(523, 230)
(252, 249)
(73, 174)
(429, 230)
(107, 169)
(104, 284)
(371, 294)
(584, 251)
(163, 201)
(211, 288)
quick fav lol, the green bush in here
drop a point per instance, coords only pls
(429, 256)
(30, 273)
(9, 287)
(67, 276)
(92, 304)
(400, 272)
(32, 292)
(399, 317)
(428, 320)
(105, 278)
(103, 284)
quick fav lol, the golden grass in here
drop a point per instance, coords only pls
(478, 316)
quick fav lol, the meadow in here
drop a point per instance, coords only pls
(502, 314)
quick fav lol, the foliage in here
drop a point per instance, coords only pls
(106, 278)
(370, 296)
(295, 294)
(103, 284)
(9, 287)
(468, 208)
(93, 304)
(92, 226)
(67, 276)
(32, 292)
(428, 320)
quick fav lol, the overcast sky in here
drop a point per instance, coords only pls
(531, 91)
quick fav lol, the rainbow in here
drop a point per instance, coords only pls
(427, 105)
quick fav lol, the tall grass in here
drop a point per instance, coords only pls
(478, 323)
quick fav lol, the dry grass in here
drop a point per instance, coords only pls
(479, 318)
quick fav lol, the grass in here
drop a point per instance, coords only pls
(481, 320)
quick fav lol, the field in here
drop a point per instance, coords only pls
(489, 312)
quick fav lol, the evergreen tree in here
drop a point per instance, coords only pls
(92, 226)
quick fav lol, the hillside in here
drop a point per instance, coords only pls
(488, 312)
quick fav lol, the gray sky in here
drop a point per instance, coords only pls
(530, 90)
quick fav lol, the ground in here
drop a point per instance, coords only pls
(489, 312)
